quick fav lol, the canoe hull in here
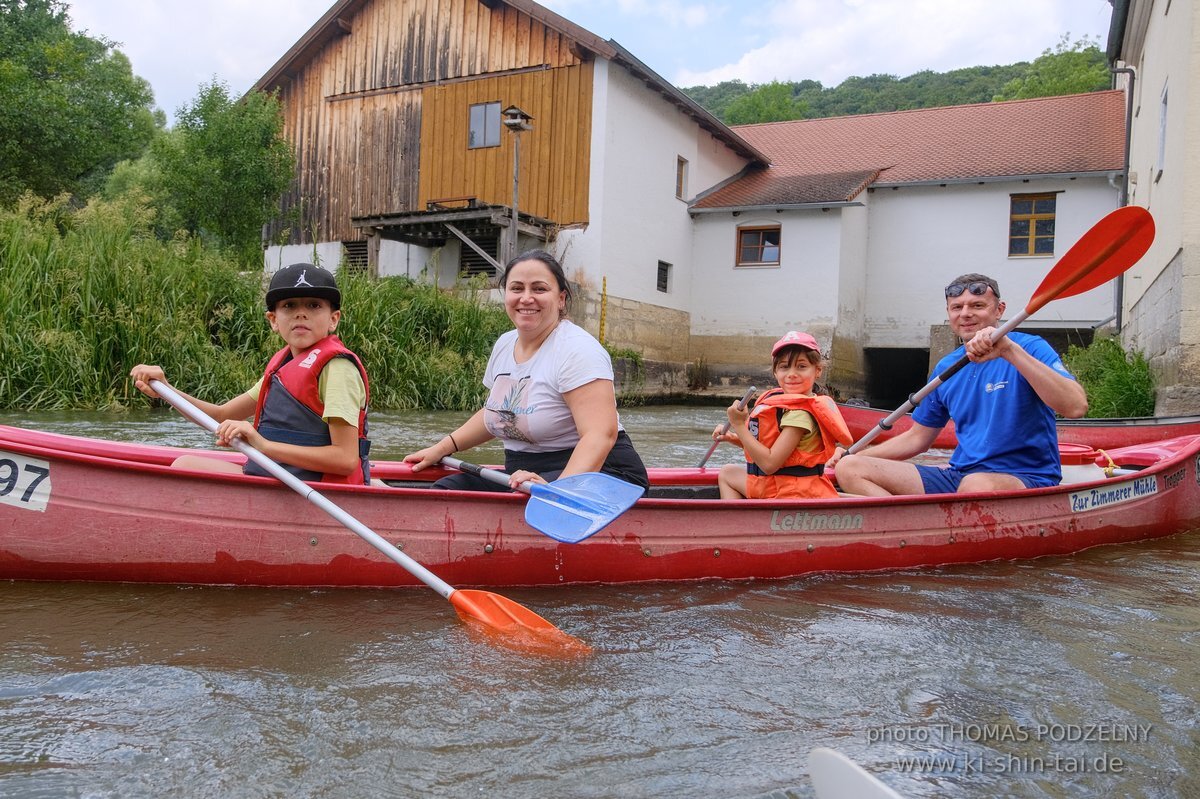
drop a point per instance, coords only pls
(126, 516)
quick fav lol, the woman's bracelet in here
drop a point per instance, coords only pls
(452, 441)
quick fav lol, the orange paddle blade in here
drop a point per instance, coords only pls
(516, 626)
(1113, 244)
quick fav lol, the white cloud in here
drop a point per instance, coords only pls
(830, 40)
(180, 44)
(675, 13)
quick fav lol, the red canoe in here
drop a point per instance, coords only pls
(85, 509)
(1098, 433)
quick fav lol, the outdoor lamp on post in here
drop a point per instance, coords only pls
(516, 121)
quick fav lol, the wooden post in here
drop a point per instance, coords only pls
(516, 121)
(512, 224)
(603, 305)
(374, 240)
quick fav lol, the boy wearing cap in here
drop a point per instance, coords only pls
(790, 432)
(310, 407)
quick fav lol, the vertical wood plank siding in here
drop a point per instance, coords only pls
(554, 154)
(379, 117)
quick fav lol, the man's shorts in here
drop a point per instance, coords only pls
(945, 480)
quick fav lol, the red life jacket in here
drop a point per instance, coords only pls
(802, 475)
(290, 409)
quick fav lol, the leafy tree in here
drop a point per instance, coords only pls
(144, 180)
(737, 103)
(1067, 69)
(770, 102)
(225, 165)
(70, 105)
(868, 95)
(716, 99)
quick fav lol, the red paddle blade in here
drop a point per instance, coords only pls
(515, 625)
(1114, 244)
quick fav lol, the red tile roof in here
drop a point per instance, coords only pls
(833, 159)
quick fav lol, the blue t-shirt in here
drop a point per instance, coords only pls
(1002, 424)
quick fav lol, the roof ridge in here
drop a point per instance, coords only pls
(944, 108)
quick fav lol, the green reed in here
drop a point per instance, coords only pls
(423, 347)
(88, 293)
(1118, 383)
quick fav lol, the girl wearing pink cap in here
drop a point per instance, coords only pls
(789, 433)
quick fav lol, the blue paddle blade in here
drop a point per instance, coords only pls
(573, 508)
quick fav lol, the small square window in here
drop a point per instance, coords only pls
(664, 277)
(758, 246)
(1031, 224)
(485, 126)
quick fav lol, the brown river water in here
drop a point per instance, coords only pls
(1060, 677)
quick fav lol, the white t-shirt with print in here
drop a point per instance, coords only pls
(526, 409)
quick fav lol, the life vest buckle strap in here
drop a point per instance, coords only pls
(787, 471)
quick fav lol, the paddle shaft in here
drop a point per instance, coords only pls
(495, 476)
(201, 418)
(568, 509)
(741, 404)
(928, 388)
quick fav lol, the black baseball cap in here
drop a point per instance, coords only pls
(303, 280)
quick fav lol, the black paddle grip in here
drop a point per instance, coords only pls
(471, 468)
(953, 370)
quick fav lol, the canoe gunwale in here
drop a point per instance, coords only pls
(128, 516)
(1094, 432)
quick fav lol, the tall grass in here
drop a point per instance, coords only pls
(88, 293)
(423, 347)
(1117, 383)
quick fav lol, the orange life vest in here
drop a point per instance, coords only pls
(802, 475)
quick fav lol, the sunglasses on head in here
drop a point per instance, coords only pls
(976, 288)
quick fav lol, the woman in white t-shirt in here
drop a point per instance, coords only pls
(552, 400)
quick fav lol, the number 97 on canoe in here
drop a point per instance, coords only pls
(24, 482)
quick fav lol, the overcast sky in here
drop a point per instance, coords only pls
(178, 45)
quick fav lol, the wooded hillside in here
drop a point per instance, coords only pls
(1070, 68)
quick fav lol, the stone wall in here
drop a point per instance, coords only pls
(744, 360)
(677, 363)
(942, 342)
(1164, 325)
(846, 371)
(658, 333)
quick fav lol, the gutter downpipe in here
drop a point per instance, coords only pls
(1123, 192)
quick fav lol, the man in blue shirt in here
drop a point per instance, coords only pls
(1003, 405)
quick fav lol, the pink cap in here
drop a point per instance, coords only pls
(794, 339)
